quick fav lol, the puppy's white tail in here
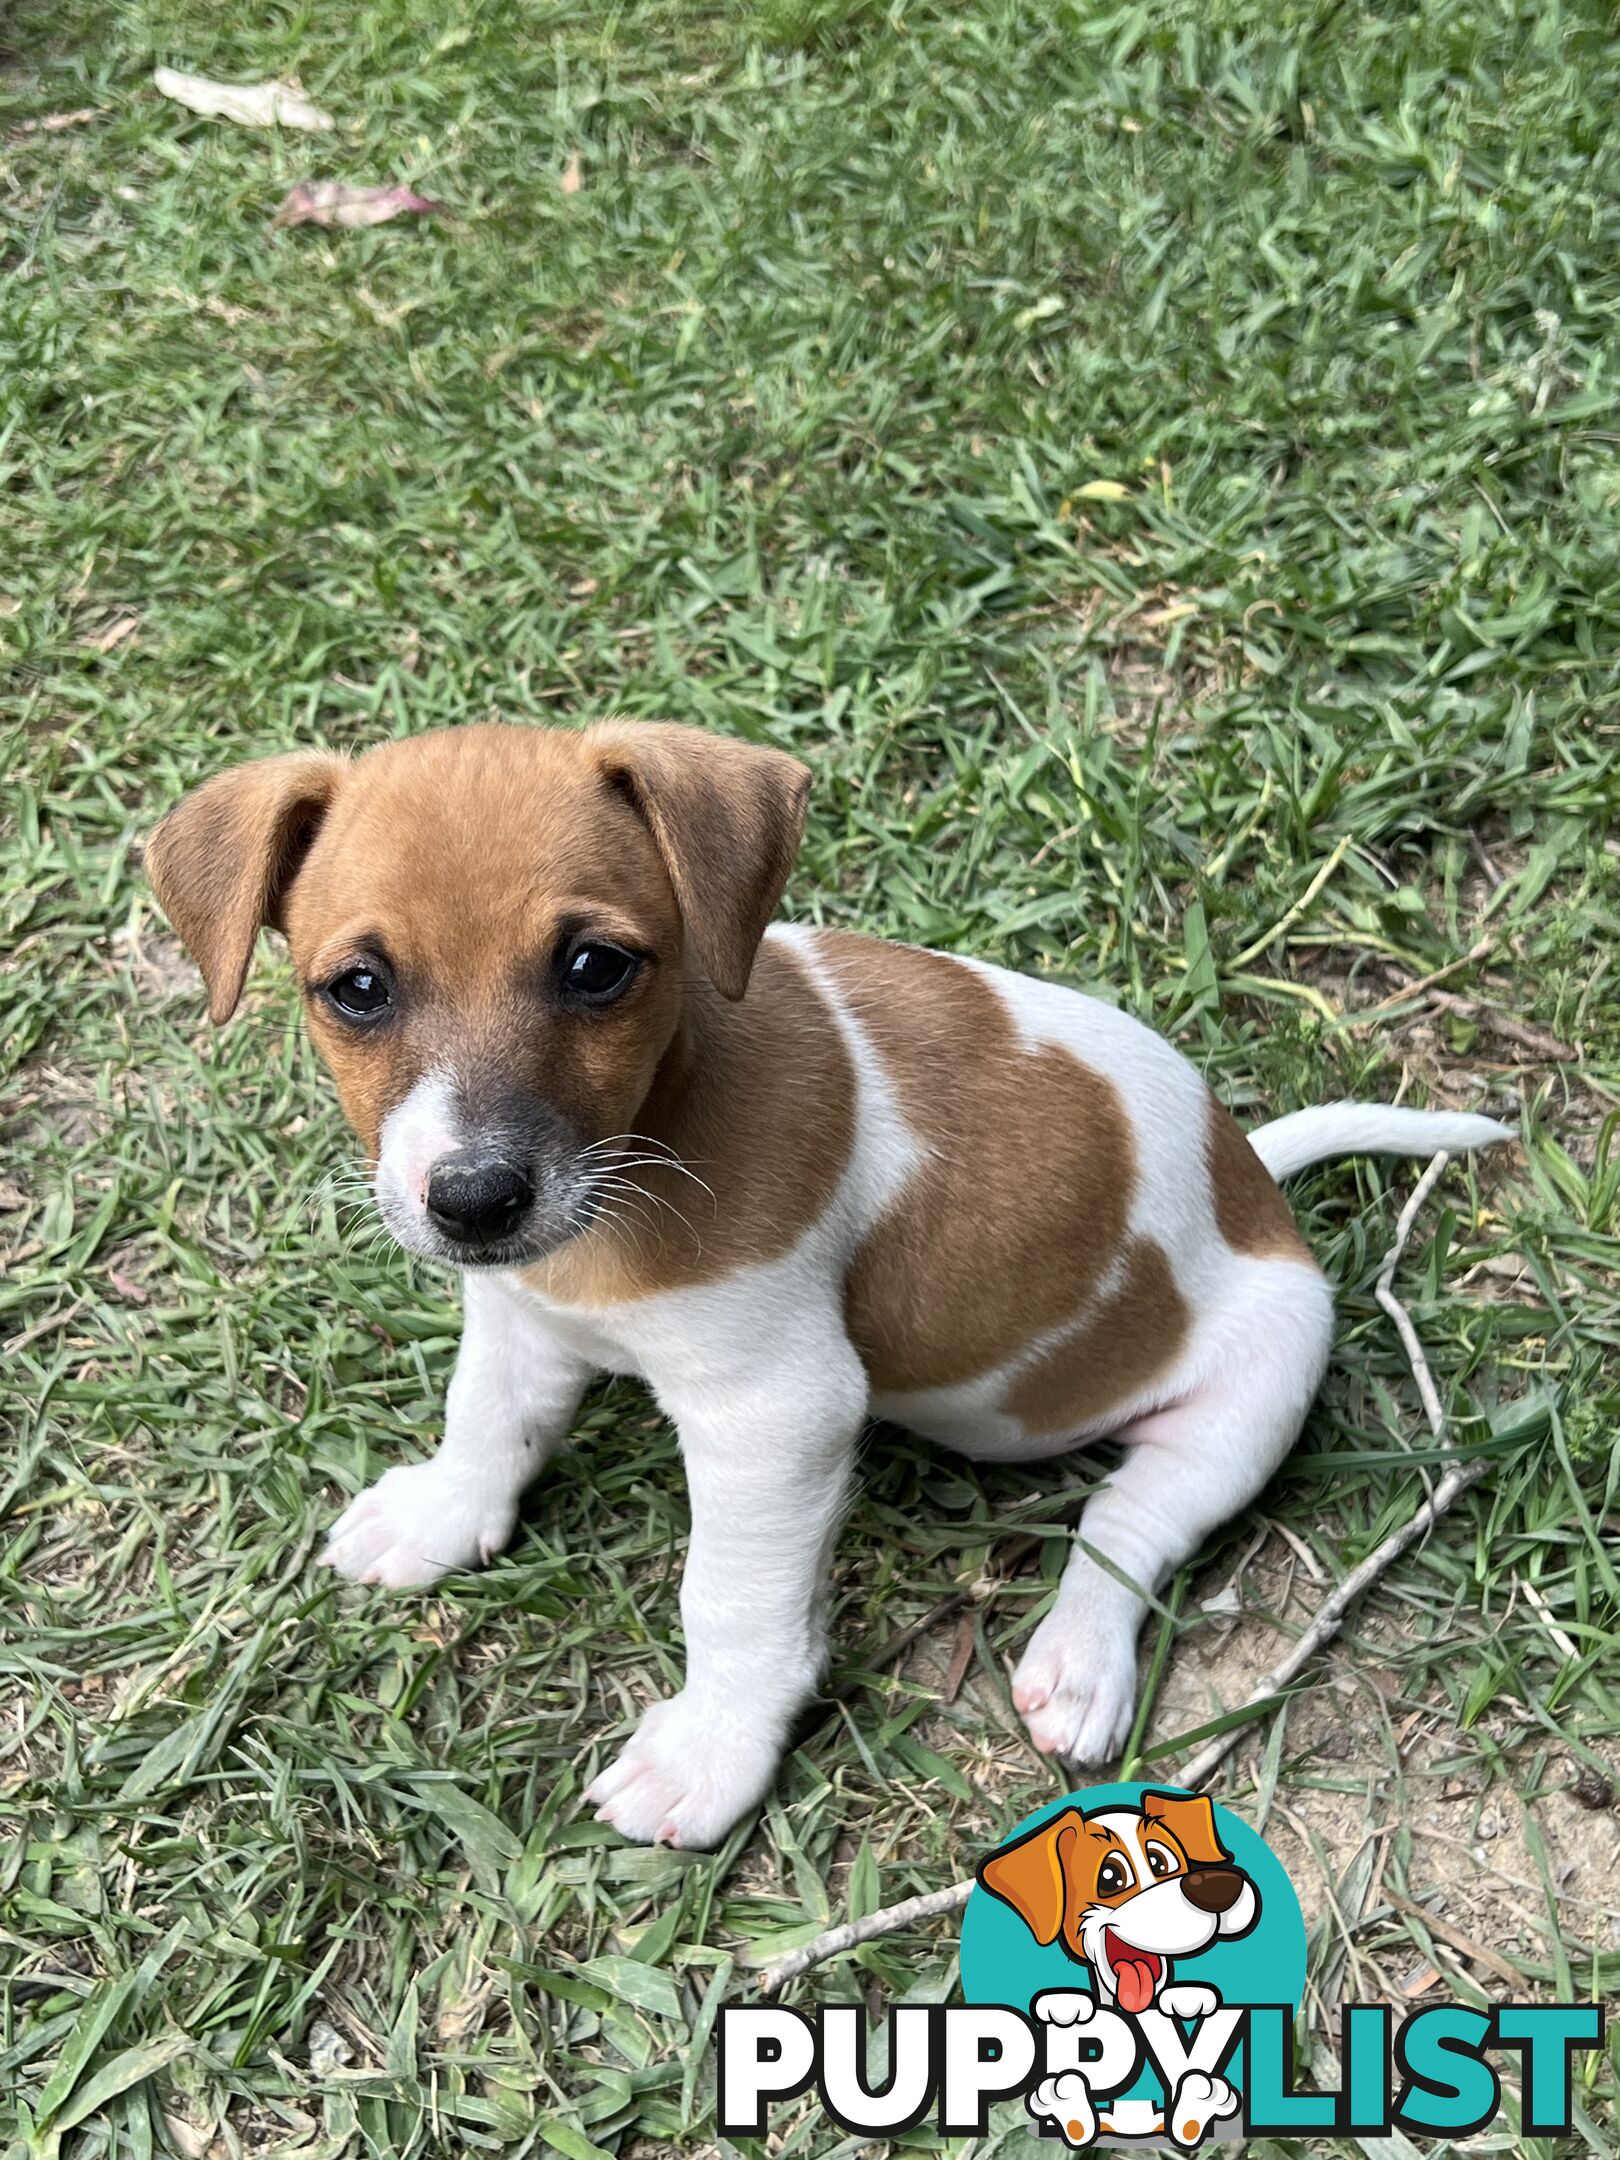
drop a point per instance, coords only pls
(1289, 1143)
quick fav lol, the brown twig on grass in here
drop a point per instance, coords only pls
(1384, 1292)
(1496, 1022)
(1447, 1931)
(932, 1905)
(1329, 1618)
(1368, 1013)
(1483, 1011)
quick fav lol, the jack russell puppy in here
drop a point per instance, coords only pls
(790, 1177)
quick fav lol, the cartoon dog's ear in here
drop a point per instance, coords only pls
(222, 860)
(1190, 1820)
(1029, 1875)
(727, 818)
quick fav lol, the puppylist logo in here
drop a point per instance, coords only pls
(1141, 1928)
(1135, 1893)
(1133, 1959)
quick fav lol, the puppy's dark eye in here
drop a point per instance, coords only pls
(597, 974)
(1112, 1878)
(1160, 1861)
(360, 993)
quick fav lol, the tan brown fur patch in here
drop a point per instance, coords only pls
(465, 861)
(758, 1100)
(1133, 1335)
(1022, 1209)
(460, 855)
(1250, 1212)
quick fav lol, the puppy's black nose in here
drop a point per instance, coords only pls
(1212, 1889)
(476, 1201)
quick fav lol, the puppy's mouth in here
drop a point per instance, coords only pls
(510, 1252)
(521, 1247)
(481, 1207)
(1136, 1973)
(481, 1227)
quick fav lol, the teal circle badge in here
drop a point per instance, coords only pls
(1125, 1892)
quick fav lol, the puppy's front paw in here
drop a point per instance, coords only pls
(1064, 2006)
(416, 1523)
(1064, 2102)
(1200, 2100)
(684, 1777)
(1188, 1999)
(1075, 1691)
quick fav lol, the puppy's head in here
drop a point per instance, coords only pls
(1125, 1890)
(495, 931)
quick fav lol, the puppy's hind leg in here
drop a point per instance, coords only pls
(1186, 1468)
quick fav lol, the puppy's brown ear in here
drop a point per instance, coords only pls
(1190, 1820)
(1029, 1875)
(222, 860)
(726, 816)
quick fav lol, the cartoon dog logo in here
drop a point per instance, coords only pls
(1126, 1891)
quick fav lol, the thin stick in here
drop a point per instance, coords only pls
(1330, 1613)
(1447, 1931)
(932, 1905)
(1367, 1013)
(1329, 1618)
(1385, 1294)
(1556, 1051)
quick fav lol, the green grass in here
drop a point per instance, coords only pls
(1143, 459)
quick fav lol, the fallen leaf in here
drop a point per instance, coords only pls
(1101, 491)
(54, 122)
(189, 2138)
(328, 2050)
(572, 174)
(961, 1658)
(332, 202)
(461, 2017)
(115, 632)
(1161, 618)
(11, 1196)
(264, 104)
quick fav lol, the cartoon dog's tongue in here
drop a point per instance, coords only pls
(1133, 1976)
(1136, 1973)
